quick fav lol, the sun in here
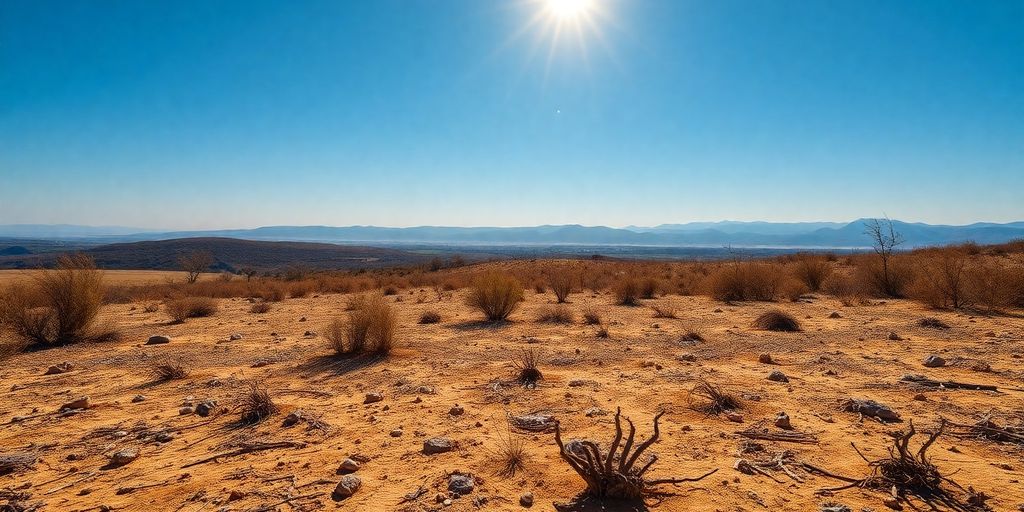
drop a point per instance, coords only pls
(568, 9)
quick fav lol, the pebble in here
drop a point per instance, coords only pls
(235, 337)
(456, 410)
(78, 403)
(158, 339)
(348, 486)
(138, 398)
(934, 361)
(894, 337)
(292, 418)
(765, 359)
(782, 421)
(185, 411)
(778, 376)
(437, 445)
(461, 483)
(348, 466)
(526, 499)
(122, 457)
(734, 417)
(373, 397)
(59, 368)
(396, 432)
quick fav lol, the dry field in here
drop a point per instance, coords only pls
(456, 379)
(116, 277)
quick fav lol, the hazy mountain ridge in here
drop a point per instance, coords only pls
(774, 234)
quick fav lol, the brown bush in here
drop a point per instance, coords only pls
(190, 307)
(257, 405)
(561, 283)
(370, 328)
(558, 314)
(940, 280)
(845, 288)
(592, 317)
(777, 320)
(649, 288)
(627, 292)
(793, 289)
(495, 295)
(60, 305)
(812, 270)
(430, 317)
(994, 285)
(741, 281)
(880, 280)
(259, 307)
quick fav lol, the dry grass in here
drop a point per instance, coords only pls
(430, 317)
(370, 328)
(777, 320)
(592, 317)
(561, 283)
(495, 295)
(168, 370)
(190, 307)
(711, 399)
(511, 455)
(558, 314)
(58, 307)
(526, 364)
(743, 281)
(627, 292)
(812, 270)
(257, 404)
(259, 307)
(664, 311)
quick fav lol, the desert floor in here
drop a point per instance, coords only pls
(643, 368)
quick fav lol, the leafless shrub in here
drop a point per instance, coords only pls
(812, 270)
(195, 263)
(558, 314)
(561, 283)
(430, 317)
(614, 475)
(714, 399)
(168, 370)
(627, 292)
(511, 455)
(591, 317)
(190, 307)
(259, 307)
(495, 295)
(777, 320)
(663, 311)
(526, 364)
(743, 280)
(369, 329)
(257, 404)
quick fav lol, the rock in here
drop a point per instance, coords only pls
(78, 403)
(782, 421)
(426, 390)
(743, 466)
(158, 339)
(575, 383)
(870, 408)
(981, 366)
(835, 507)
(934, 361)
(309, 334)
(596, 411)
(373, 398)
(164, 437)
(138, 398)
(122, 457)
(438, 445)
(236, 495)
(293, 418)
(778, 376)
(734, 417)
(460, 483)
(348, 486)
(835, 314)
(303, 319)
(765, 359)
(186, 410)
(894, 337)
(348, 466)
(396, 433)
(688, 358)
(206, 407)
(59, 368)
(526, 499)
(920, 397)
(235, 337)
(456, 410)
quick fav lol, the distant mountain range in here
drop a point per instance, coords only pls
(695, 234)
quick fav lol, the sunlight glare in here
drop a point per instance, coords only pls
(568, 9)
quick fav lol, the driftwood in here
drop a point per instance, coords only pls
(614, 474)
(921, 380)
(246, 448)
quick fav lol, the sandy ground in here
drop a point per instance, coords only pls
(460, 361)
(117, 277)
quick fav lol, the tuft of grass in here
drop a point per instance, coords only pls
(430, 317)
(777, 320)
(692, 335)
(561, 284)
(664, 311)
(526, 363)
(714, 400)
(496, 296)
(370, 328)
(592, 317)
(167, 370)
(558, 314)
(511, 455)
(932, 323)
(602, 331)
(190, 307)
(260, 307)
(257, 404)
(627, 292)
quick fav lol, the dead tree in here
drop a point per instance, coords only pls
(884, 240)
(195, 263)
(613, 474)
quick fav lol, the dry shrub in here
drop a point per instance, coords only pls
(649, 288)
(711, 399)
(591, 317)
(257, 404)
(845, 288)
(880, 281)
(664, 311)
(334, 333)
(260, 307)
(932, 323)
(495, 295)
(430, 317)
(994, 285)
(168, 370)
(777, 320)
(60, 305)
(511, 454)
(152, 307)
(526, 364)
(561, 282)
(812, 270)
(558, 314)
(370, 328)
(272, 292)
(692, 335)
(390, 290)
(741, 281)
(190, 307)
(627, 292)
(793, 289)
(941, 278)
(299, 290)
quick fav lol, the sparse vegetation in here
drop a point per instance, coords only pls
(812, 270)
(430, 317)
(561, 282)
(777, 320)
(557, 314)
(169, 370)
(259, 307)
(190, 307)
(369, 328)
(257, 404)
(526, 364)
(496, 296)
(591, 317)
(511, 455)
(194, 264)
(627, 292)
(663, 311)
(711, 399)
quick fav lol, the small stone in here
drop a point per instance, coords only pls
(164, 437)
(596, 411)
(348, 486)
(309, 334)
(396, 433)
(122, 457)
(186, 410)
(426, 390)
(303, 319)
(372, 398)
(235, 337)
(59, 368)
(689, 358)
(138, 398)
(235, 495)
(765, 359)
(456, 410)
(734, 417)
(778, 376)
(894, 337)
(934, 361)
(920, 397)
(348, 466)
(292, 418)
(461, 483)
(575, 383)
(835, 314)
(158, 339)
(782, 421)
(78, 403)
(206, 407)
(438, 445)
(526, 499)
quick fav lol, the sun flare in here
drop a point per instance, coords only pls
(568, 9)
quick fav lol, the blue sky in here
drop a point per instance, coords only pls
(197, 114)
